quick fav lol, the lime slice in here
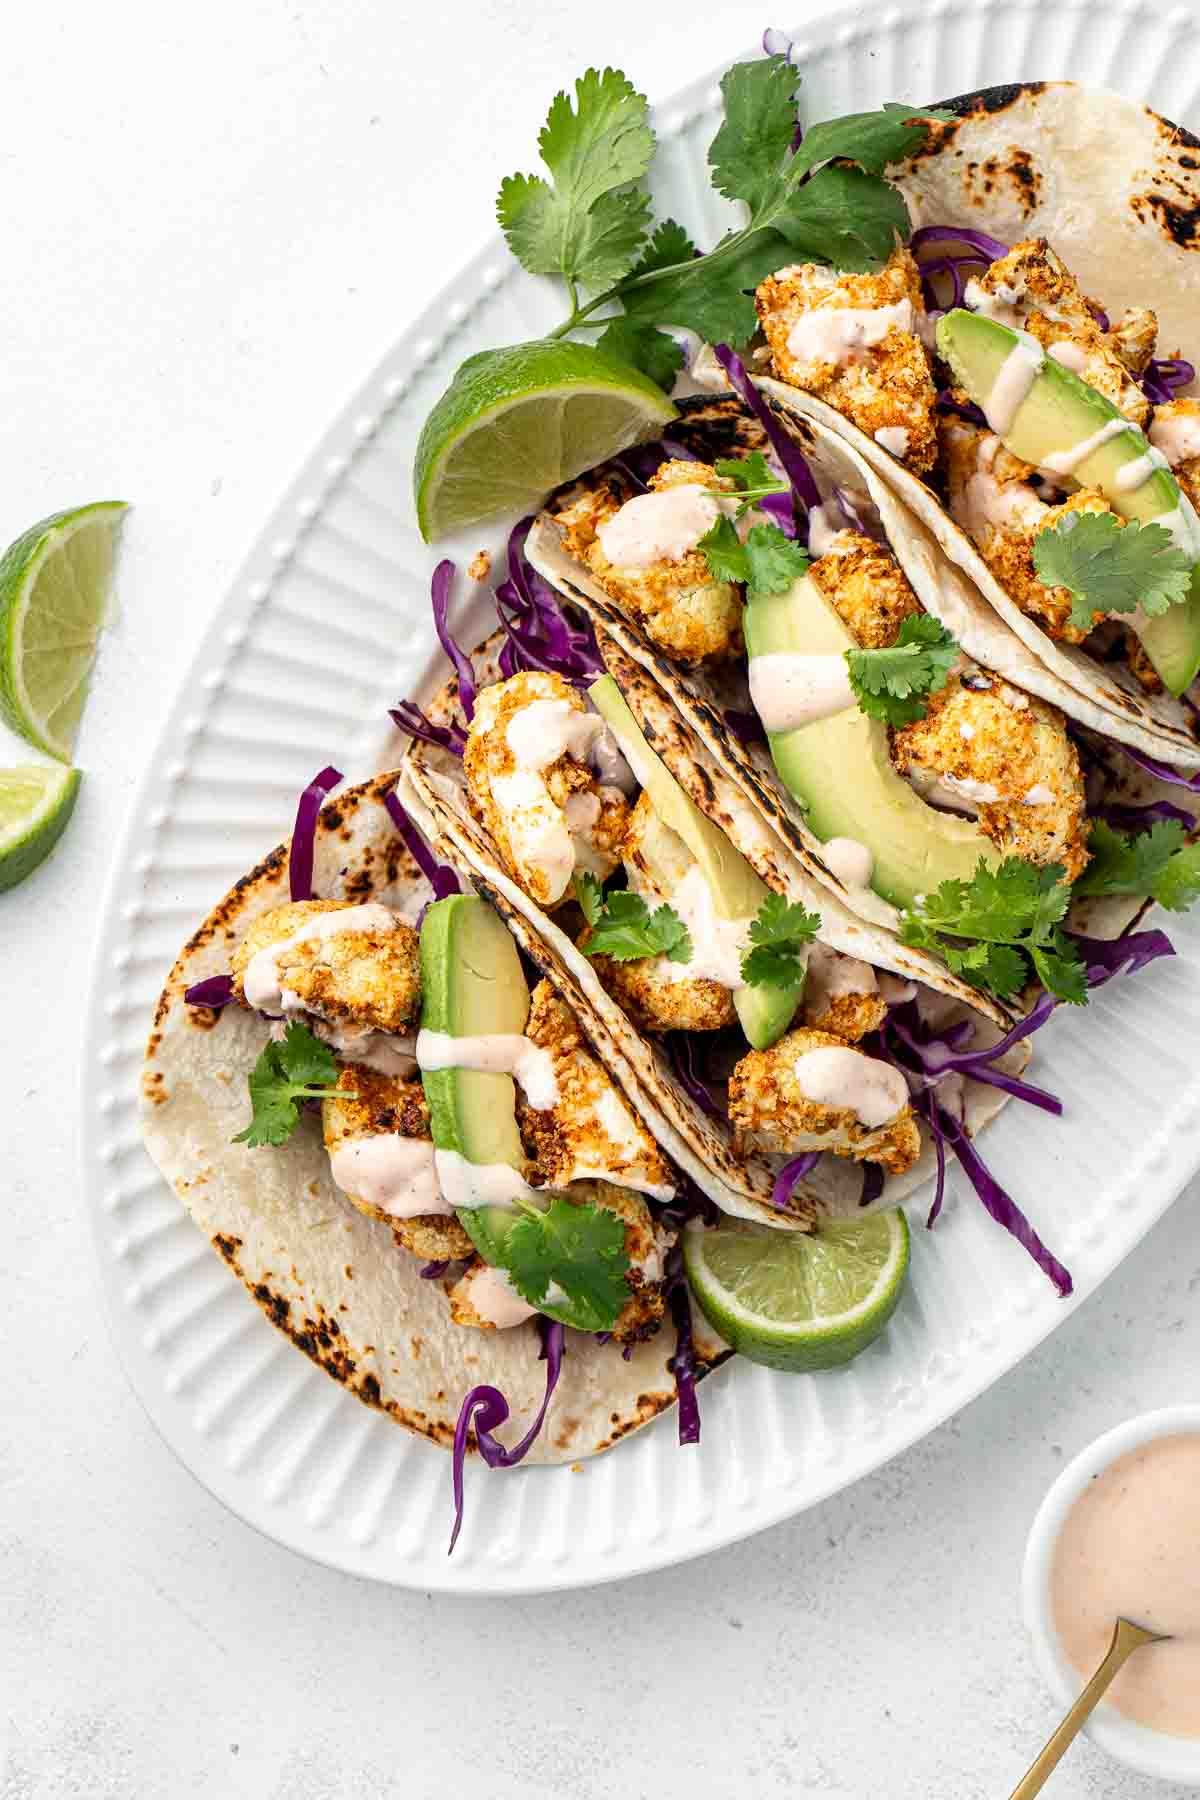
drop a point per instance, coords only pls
(515, 423)
(799, 1301)
(35, 805)
(54, 598)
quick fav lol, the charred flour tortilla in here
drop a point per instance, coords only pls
(332, 1280)
(1116, 191)
(432, 787)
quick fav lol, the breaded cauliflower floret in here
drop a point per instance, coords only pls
(1133, 337)
(1176, 432)
(646, 1246)
(841, 995)
(358, 979)
(664, 583)
(659, 995)
(1004, 757)
(867, 589)
(367, 1104)
(1033, 290)
(546, 818)
(770, 1111)
(590, 1131)
(885, 387)
(988, 493)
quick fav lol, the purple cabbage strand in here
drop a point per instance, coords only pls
(304, 832)
(440, 877)
(443, 577)
(486, 1409)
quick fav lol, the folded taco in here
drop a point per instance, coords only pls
(1018, 373)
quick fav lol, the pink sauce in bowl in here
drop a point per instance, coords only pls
(1130, 1546)
(1119, 1533)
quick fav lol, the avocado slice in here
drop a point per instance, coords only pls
(1059, 412)
(738, 893)
(472, 984)
(841, 771)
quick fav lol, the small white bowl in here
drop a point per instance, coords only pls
(1149, 1752)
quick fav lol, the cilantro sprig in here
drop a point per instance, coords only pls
(753, 479)
(778, 936)
(624, 927)
(1002, 929)
(767, 561)
(1110, 567)
(825, 200)
(1157, 864)
(894, 684)
(578, 1251)
(299, 1068)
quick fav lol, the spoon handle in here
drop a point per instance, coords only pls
(1126, 1638)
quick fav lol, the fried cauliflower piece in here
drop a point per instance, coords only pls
(659, 995)
(841, 995)
(546, 817)
(368, 1104)
(1176, 433)
(883, 384)
(484, 1298)
(358, 980)
(1133, 337)
(1004, 757)
(1033, 290)
(643, 553)
(867, 589)
(988, 493)
(770, 1110)
(591, 1132)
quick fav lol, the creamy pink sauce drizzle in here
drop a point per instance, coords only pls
(1016, 376)
(658, 527)
(873, 1091)
(1131, 1546)
(396, 1174)
(790, 688)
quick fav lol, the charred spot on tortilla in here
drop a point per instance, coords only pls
(1179, 223)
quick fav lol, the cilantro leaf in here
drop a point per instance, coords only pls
(1157, 864)
(644, 347)
(748, 472)
(778, 935)
(768, 561)
(892, 684)
(589, 224)
(713, 294)
(579, 1250)
(755, 139)
(1001, 928)
(1109, 567)
(299, 1068)
(844, 217)
(870, 139)
(624, 928)
(590, 894)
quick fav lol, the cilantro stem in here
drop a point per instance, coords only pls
(582, 314)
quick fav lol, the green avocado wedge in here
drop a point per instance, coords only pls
(1060, 413)
(841, 771)
(738, 892)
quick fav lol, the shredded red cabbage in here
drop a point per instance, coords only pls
(872, 1183)
(1106, 957)
(781, 511)
(1140, 818)
(409, 717)
(790, 1174)
(443, 576)
(745, 725)
(214, 993)
(979, 251)
(683, 1364)
(433, 1271)
(1164, 771)
(681, 1048)
(486, 1408)
(540, 635)
(304, 832)
(790, 456)
(440, 876)
(966, 409)
(999, 1204)
(1164, 374)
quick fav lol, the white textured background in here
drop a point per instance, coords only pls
(216, 220)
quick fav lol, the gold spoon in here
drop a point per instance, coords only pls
(1126, 1638)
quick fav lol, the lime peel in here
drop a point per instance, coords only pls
(36, 803)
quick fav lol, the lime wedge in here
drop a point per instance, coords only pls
(35, 804)
(798, 1301)
(515, 423)
(54, 598)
